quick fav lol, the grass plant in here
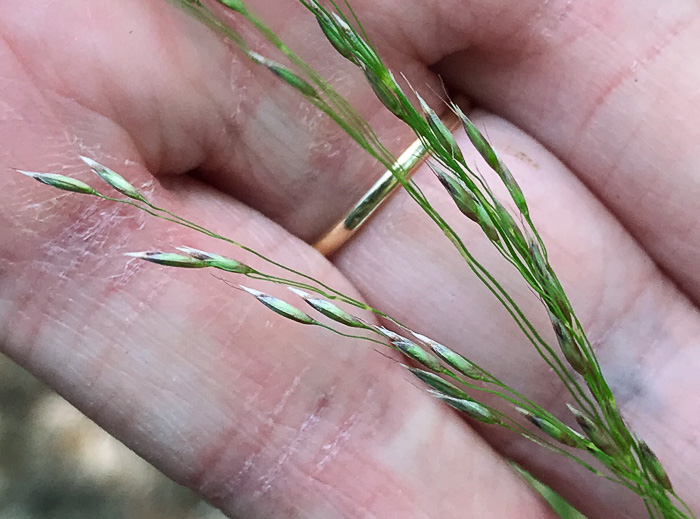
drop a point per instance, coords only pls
(604, 444)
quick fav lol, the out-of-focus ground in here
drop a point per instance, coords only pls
(57, 464)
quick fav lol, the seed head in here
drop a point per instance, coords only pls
(594, 432)
(441, 133)
(168, 259)
(477, 139)
(280, 307)
(471, 408)
(329, 309)
(387, 91)
(439, 384)
(285, 75)
(61, 182)
(569, 347)
(452, 358)
(489, 155)
(114, 179)
(217, 261)
(654, 466)
(362, 52)
(558, 431)
(415, 352)
(332, 31)
(466, 202)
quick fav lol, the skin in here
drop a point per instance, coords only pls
(593, 105)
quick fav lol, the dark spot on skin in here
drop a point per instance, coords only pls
(321, 404)
(522, 156)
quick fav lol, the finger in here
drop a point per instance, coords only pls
(529, 93)
(189, 102)
(643, 329)
(262, 418)
(611, 88)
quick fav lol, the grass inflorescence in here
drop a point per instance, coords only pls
(451, 377)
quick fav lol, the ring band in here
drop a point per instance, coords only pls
(408, 161)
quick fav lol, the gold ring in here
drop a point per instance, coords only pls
(408, 162)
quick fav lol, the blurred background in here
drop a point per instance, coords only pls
(57, 464)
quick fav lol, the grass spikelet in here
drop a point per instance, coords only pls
(484, 148)
(594, 432)
(114, 179)
(569, 347)
(442, 134)
(329, 309)
(466, 202)
(558, 431)
(217, 261)
(285, 75)
(280, 307)
(362, 52)
(332, 31)
(654, 465)
(386, 89)
(415, 352)
(452, 358)
(471, 408)
(168, 259)
(439, 384)
(61, 182)
(481, 145)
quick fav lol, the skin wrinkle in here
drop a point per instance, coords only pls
(225, 488)
(274, 473)
(284, 458)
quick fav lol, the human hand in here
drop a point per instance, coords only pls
(269, 419)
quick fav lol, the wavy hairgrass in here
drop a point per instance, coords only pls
(604, 444)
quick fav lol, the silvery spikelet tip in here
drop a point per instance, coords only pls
(90, 163)
(30, 174)
(252, 291)
(424, 105)
(138, 255)
(300, 293)
(573, 410)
